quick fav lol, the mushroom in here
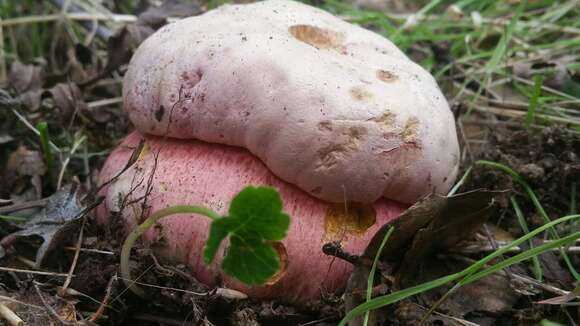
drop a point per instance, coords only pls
(278, 93)
(210, 175)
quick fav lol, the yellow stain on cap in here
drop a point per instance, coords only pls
(351, 220)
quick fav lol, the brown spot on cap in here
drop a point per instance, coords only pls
(386, 76)
(411, 132)
(359, 93)
(353, 220)
(387, 119)
(319, 38)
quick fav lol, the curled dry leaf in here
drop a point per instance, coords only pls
(54, 223)
(26, 80)
(426, 229)
(563, 299)
(23, 170)
(554, 71)
(24, 77)
(123, 43)
(68, 98)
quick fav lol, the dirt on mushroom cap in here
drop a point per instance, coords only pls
(335, 109)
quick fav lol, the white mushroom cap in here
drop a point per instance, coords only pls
(331, 107)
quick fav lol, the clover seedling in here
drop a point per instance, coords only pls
(255, 219)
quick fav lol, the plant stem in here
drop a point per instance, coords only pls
(371, 279)
(44, 144)
(143, 227)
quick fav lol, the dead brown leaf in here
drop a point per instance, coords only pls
(123, 43)
(24, 77)
(554, 71)
(455, 219)
(68, 98)
(26, 80)
(54, 223)
(430, 227)
(563, 299)
(24, 169)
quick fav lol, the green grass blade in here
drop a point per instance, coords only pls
(503, 43)
(538, 83)
(44, 144)
(553, 233)
(470, 272)
(371, 279)
(534, 252)
(12, 218)
(522, 221)
(460, 182)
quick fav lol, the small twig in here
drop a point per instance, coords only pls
(520, 114)
(99, 313)
(22, 206)
(96, 251)
(171, 271)
(50, 309)
(540, 285)
(115, 18)
(26, 261)
(201, 294)
(458, 320)
(105, 102)
(477, 248)
(73, 265)
(2, 55)
(67, 160)
(9, 315)
(90, 25)
(5, 298)
(132, 282)
(27, 271)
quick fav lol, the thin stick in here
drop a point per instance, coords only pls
(99, 313)
(50, 309)
(2, 55)
(5, 298)
(66, 8)
(27, 271)
(22, 206)
(81, 16)
(67, 160)
(9, 315)
(105, 102)
(74, 262)
(95, 251)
